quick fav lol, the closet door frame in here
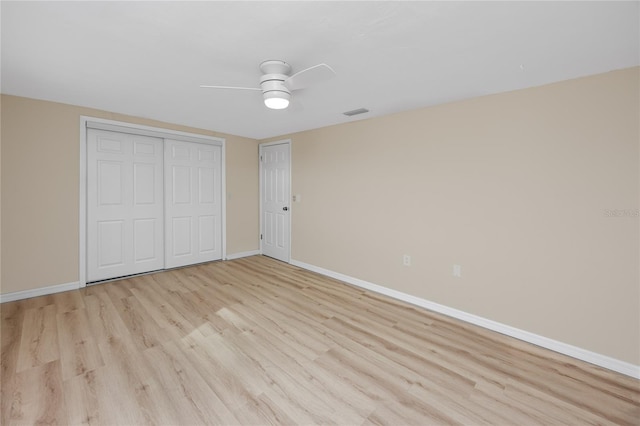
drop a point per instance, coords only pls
(87, 122)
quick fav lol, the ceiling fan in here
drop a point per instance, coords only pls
(276, 84)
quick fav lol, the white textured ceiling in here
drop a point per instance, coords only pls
(147, 59)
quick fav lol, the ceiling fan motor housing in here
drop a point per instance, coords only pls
(274, 82)
(274, 75)
(275, 67)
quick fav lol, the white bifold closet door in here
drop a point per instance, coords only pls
(152, 204)
(124, 204)
(193, 204)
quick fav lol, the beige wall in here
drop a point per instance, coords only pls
(40, 172)
(514, 187)
(243, 198)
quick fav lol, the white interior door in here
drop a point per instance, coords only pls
(124, 204)
(275, 195)
(193, 204)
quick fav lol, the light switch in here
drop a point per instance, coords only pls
(457, 271)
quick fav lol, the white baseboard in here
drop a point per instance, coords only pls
(600, 360)
(42, 291)
(242, 254)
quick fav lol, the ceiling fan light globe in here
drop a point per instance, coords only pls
(276, 100)
(276, 103)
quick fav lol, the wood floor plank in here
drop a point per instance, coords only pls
(67, 301)
(264, 411)
(123, 399)
(257, 341)
(79, 352)
(120, 289)
(144, 330)
(37, 302)
(104, 320)
(39, 340)
(82, 399)
(37, 397)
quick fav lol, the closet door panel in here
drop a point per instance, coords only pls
(193, 203)
(124, 204)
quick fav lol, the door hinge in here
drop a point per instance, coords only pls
(261, 158)
(260, 236)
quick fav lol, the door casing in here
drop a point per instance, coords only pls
(121, 126)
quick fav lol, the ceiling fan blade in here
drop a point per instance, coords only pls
(231, 87)
(305, 78)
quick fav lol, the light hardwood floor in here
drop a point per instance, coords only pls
(256, 341)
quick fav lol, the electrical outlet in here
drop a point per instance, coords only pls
(406, 260)
(457, 271)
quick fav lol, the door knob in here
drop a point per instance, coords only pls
(285, 208)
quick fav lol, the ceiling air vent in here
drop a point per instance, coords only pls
(355, 112)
